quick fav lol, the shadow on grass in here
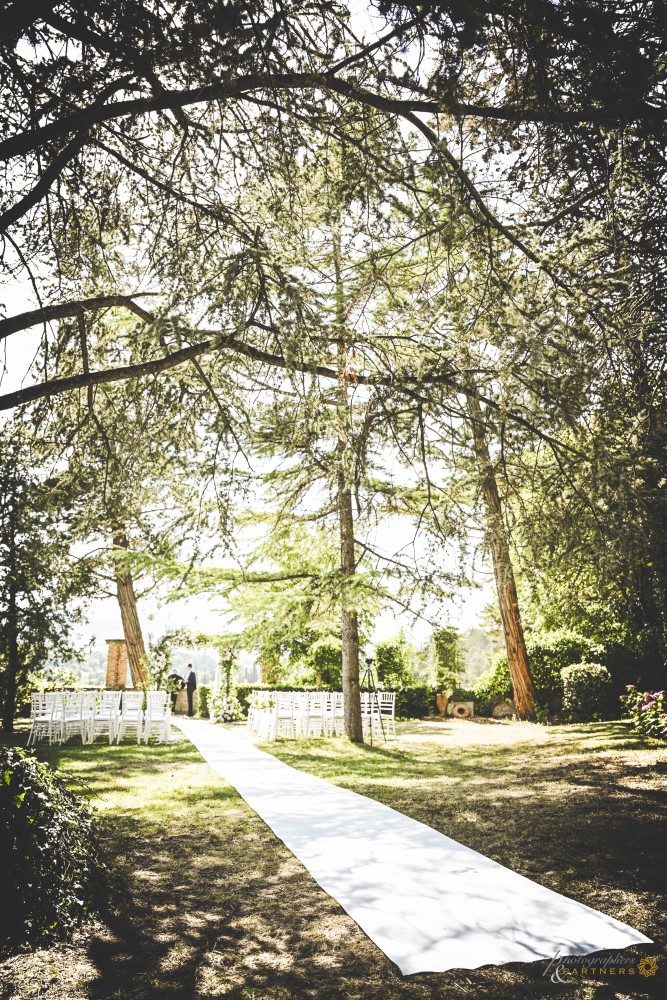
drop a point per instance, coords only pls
(207, 902)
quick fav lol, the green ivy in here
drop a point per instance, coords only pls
(52, 873)
(204, 701)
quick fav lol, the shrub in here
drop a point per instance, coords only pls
(327, 659)
(204, 701)
(492, 688)
(585, 691)
(415, 702)
(225, 708)
(462, 694)
(647, 710)
(51, 870)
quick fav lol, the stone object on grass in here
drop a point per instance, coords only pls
(503, 710)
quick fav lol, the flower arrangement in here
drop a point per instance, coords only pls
(225, 708)
(647, 710)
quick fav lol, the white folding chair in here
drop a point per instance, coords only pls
(300, 713)
(258, 705)
(267, 716)
(328, 709)
(339, 713)
(315, 713)
(283, 718)
(387, 701)
(56, 699)
(41, 716)
(277, 717)
(105, 719)
(158, 716)
(131, 715)
(75, 715)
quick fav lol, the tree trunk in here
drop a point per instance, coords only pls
(348, 564)
(13, 659)
(127, 602)
(13, 664)
(351, 692)
(517, 657)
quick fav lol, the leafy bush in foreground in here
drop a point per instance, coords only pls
(647, 710)
(51, 870)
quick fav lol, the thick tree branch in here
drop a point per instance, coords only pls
(86, 118)
(41, 188)
(57, 386)
(404, 383)
(63, 310)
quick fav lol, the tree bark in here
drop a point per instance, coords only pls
(517, 658)
(13, 658)
(351, 691)
(127, 602)
(13, 664)
(348, 564)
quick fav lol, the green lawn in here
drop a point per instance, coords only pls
(207, 902)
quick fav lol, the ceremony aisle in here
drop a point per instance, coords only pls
(430, 903)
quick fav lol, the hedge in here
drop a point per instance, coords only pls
(586, 688)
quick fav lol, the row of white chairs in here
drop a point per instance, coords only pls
(318, 713)
(60, 715)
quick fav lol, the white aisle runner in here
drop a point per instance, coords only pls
(429, 903)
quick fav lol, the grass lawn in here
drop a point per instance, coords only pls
(207, 902)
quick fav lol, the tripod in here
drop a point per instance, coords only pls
(367, 680)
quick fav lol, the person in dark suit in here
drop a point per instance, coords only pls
(191, 686)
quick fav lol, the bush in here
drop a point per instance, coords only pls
(51, 869)
(415, 702)
(586, 689)
(462, 694)
(204, 701)
(647, 710)
(492, 688)
(392, 663)
(548, 653)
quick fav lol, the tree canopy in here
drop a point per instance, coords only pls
(306, 235)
